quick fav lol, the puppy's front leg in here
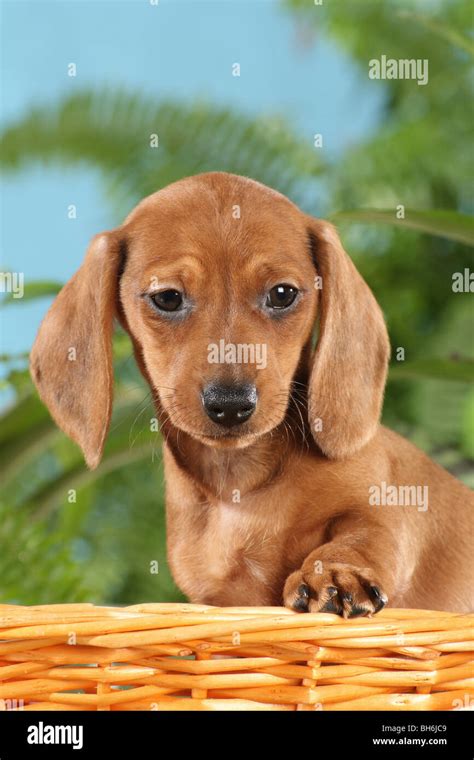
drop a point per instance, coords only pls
(350, 575)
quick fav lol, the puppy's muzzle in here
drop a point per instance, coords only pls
(229, 405)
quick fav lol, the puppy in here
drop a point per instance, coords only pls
(281, 486)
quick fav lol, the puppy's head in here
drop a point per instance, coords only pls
(218, 280)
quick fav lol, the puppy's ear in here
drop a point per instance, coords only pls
(71, 359)
(349, 370)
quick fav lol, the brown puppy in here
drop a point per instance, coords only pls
(281, 485)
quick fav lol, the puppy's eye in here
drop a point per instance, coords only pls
(281, 296)
(168, 300)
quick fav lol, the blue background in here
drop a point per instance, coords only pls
(180, 49)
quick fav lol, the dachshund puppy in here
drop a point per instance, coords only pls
(281, 485)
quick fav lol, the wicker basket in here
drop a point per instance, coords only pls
(192, 657)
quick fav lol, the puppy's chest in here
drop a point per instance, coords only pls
(230, 546)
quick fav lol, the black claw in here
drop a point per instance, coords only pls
(302, 600)
(358, 611)
(304, 590)
(379, 598)
(300, 605)
(331, 606)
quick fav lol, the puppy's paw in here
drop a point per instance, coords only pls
(334, 587)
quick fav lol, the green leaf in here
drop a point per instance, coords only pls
(467, 431)
(448, 224)
(7, 358)
(33, 291)
(20, 418)
(55, 489)
(439, 369)
(441, 30)
(111, 130)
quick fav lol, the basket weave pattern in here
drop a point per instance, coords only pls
(192, 657)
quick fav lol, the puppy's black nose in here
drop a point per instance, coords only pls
(229, 405)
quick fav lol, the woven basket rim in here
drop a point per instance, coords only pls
(182, 656)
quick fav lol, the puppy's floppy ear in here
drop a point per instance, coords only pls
(71, 359)
(347, 379)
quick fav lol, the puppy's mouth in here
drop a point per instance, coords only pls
(225, 438)
(222, 438)
(231, 439)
